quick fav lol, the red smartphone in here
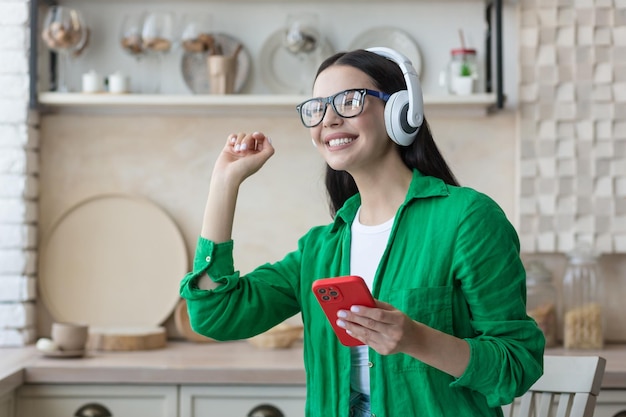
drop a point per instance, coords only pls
(341, 293)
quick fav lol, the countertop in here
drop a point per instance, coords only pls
(204, 363)
(178, 363)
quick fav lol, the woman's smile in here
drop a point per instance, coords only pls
(337, 141)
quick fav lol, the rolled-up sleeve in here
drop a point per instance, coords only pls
(506, 355)
(214, 260)
(241, 306)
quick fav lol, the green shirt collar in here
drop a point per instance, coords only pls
(422, 186)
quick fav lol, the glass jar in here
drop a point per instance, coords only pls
(582, 301)
(462, 71)
(541, 300)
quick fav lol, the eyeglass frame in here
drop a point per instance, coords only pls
(331, 100)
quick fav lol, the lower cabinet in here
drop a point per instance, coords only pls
(611, 403)
(242, 401)
(65, 400)
(96, 400)
(7, 404)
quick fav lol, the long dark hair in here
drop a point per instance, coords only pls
(422, 154)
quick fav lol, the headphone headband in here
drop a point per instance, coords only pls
(415, 115)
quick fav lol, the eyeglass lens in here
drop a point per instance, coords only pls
(346, 104)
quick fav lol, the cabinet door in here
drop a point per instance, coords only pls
(121, 400)
(611, 403)
(239, 401)
(7, 405)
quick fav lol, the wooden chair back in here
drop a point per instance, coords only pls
(568, 387)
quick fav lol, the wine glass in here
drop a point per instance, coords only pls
(132, 42)
(196, 32)
(302, 39)
(197, 43)
(64, 32)
(130, 34)
(158, 36)
(302, 35)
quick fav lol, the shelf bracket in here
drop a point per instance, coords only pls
(33, 102)
(493, 11)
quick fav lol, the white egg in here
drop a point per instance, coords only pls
(47, 345)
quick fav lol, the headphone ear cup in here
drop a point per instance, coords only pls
(398, 128)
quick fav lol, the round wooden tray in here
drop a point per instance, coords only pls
(113, 260)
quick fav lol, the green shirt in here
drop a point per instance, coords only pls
(452, 262)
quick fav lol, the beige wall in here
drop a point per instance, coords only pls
(168, 159)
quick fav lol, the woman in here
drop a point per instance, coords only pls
(449, 335)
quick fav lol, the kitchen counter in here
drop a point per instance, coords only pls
(12, 363)
(203, 363)
(178, 363)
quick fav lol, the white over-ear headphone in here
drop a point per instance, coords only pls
(404, 111)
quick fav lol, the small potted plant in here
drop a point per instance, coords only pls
(463, 71)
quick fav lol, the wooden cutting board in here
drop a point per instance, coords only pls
(126, 338)
(113, 261)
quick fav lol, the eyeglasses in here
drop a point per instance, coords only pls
(347, 104)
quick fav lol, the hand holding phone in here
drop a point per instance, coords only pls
(341, 293)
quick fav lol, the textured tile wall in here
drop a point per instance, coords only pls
(572, 124)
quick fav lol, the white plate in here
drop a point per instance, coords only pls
(193, 66)
(112, 260)
(390, 38)
(63, 353)
(286, 73)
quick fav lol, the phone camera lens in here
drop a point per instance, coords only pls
(334, 293)
(325, 298)
(322, 290)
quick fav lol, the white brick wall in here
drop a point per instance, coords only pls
(18, 179)
(19, 185)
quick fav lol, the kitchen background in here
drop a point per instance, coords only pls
(553, 158)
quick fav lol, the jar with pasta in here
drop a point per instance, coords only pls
(541, 300)
(582, 301)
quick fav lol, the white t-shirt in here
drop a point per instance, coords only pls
(366, 250)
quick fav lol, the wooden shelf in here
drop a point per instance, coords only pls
(293, 1)
(228, 104)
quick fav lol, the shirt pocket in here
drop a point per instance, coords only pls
(431, 306)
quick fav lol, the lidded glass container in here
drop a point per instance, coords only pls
(541, 300)
(582, 301)
(462, 71)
